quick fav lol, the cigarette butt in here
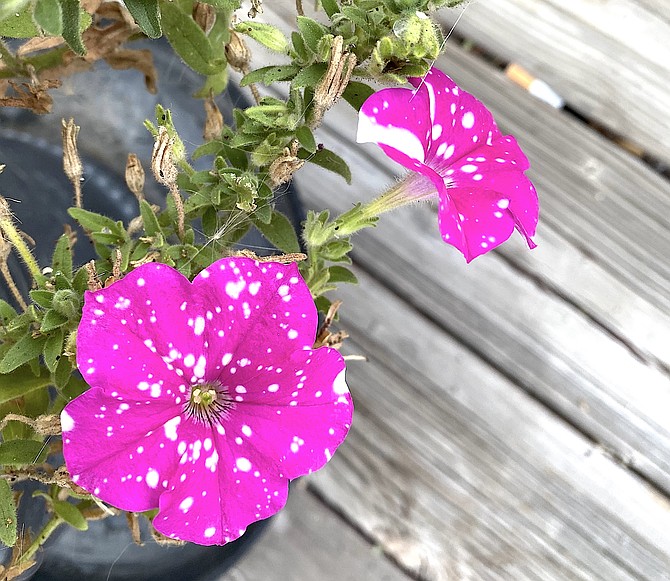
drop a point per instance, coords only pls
(534, 86)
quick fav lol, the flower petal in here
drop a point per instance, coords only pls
(487, 217)
(217, 490)
(121, 451)
(459, 123)
(304, 417)
(132, 333)
(397, 120)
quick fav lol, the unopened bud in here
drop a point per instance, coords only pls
(66, 302)
(237, 52)
(135, 176)
(71, 160)
(213, 120)
(162, 162)
(204, 16)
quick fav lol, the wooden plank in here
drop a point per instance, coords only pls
(569, 321)
(610, 59)
(458, 474)
(308, 541)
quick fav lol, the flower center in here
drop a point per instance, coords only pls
(209, 402)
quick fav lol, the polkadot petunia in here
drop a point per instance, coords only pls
(206, 397)
(447, 136)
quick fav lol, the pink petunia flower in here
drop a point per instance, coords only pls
(451, 141)
(206, 398)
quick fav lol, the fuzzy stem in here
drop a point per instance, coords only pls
(40, 539)
(410, 190)
(14, 236)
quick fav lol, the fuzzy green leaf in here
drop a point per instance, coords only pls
(52, 320)
(189, 41)
(330, 161)
(21, 382)
(53, 349)
(309, 76)
(9, 9)
(306, 138)
(71, 22)
(341, 274)
(330, 7)
(70, 514)
(312, 32)
(269, 36)
(48, 16)
(8, 533)
(18, 24)
(356, 93)
(21, 452)
(268, 75)
(280, 232)
(62, 256)
(96, 222)
(21, 352)
(151, 225)
(62, 373)
(43, 298)
(7, 312)
(147, 16)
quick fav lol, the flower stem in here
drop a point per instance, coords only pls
(408, 191)
(14, 236)
(40, 539)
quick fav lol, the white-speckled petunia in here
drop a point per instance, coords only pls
(447, 136)
(206, 397)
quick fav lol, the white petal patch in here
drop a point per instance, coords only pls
(170, 428)
(233, 289)
(397, 137)
(152, 478)
(66, 421)
(340, 384)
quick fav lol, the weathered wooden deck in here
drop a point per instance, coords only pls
(513, 420)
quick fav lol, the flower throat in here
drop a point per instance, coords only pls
(209, 402)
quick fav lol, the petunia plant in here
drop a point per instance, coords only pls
(177, 377)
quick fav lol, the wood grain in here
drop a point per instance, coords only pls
(307, 541)
(459, 474)
(610, 59)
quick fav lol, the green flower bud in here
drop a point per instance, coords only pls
(67, 302)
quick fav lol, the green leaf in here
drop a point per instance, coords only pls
(151, 225)
(305, 137)
(63, 372)
(330, 161)
(341, 274)
(70, 514)
(356, 93)
(19, 22)
(8, 533)
(269, 36)
(43, 298)
(309, 76)
(20, 452)
(147, 16)
(280, 232)
(53, 349)
(20, 382)
(95, 222)
(7, 312)
(8, 9)
(52, 320)
(214, 84)
(330, 7)
(71, 22)
(62, 256)
(337, 251)
(21, 352)
(268, 75)
(312, 32)
(189, 41)
(48, 16)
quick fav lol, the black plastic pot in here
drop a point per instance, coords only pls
(110, 107)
